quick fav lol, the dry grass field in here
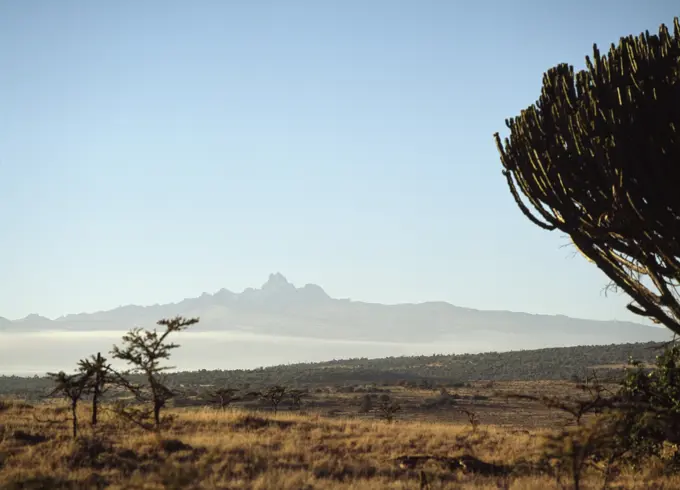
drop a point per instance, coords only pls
(490, 402)
(327, 445)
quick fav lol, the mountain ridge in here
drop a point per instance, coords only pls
(280, 308)
(221, 293)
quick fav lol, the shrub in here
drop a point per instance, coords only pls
(650, 406)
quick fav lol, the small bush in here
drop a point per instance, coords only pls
(366, 404)
(649, 403)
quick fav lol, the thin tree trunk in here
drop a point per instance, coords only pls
(95, 393)
(157, 415)
(95, 405)
(74, 406)
(576, 471)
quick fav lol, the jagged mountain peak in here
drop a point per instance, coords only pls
(278, 286)
(277, 281)
(34, 317)
(223, 293)
(316, 290)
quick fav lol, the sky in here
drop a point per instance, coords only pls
(151, 151)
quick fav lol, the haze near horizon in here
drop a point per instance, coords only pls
(151, 152)
(281, 323)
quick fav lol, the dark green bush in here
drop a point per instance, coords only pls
(649, 406)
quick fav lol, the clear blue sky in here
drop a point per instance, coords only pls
(150, 151)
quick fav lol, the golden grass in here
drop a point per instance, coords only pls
(236, 449)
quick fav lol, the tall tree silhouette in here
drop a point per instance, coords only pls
(598, 158)
(99, 375)
(144, 350)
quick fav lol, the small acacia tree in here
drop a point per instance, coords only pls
(143, 350)
(296, 397)
(597, 158)
(223, 397)
(72, 387)
(387, 407)
(99, 376)
(274, 395)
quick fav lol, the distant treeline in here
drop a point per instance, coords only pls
(543, 364)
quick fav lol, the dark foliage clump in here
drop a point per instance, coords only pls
(649, 402)
(638, 422)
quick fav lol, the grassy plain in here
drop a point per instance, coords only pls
(328, 444)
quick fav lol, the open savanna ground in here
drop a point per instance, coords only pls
(328, 444)
(492, 403)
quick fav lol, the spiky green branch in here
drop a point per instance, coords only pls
(598, 157)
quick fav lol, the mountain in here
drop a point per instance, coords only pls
(279, 308)
(4, 323)
(33, 322)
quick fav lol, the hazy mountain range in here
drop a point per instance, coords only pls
(279, 308)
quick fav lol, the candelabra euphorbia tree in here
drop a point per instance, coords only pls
(598, 158)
